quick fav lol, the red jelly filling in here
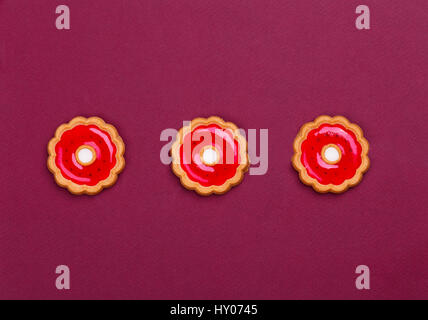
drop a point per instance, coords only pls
(348, 145)
(227, 149)
(91, 136)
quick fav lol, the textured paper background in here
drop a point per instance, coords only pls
(148, 65)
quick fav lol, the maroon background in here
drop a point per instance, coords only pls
(148, 65)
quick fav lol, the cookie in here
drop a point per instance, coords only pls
(331, 154)
(86, 155)
(210, 156)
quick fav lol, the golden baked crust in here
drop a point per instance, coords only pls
(85, 189)
(192, 185)
(306, 179)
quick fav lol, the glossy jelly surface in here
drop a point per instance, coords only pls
(99, 141)
(219, 139)
(350, 150)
